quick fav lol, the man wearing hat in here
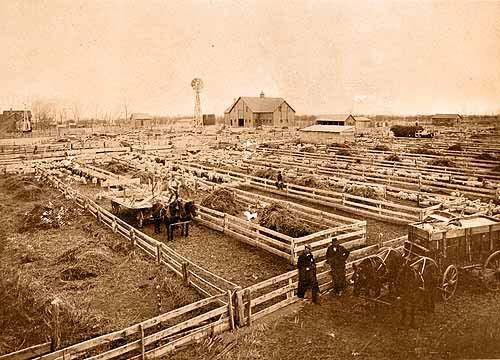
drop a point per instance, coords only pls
(336, 256)
(307, 275)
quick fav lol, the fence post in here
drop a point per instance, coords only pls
(98, 215)
(115, 225)
(292, 251)
(142, 342)
(240, 307)
(132, 237)
(249, 296)
(185, 273)
(289, 294)
(56, 330)
(158, 254)
(231, 310)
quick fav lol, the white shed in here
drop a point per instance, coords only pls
(327, 134)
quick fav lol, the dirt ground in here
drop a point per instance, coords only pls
(466, 327)
(225, 256)
(80, 262)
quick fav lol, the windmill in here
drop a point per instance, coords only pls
(197, 85)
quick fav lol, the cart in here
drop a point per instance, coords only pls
(469, 243)
(137, 207)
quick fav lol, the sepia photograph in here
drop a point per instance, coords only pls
(249, 179)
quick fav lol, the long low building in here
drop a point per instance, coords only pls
(327, 134)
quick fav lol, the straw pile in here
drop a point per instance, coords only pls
(85, 262)
(279, 218)
(223, 200)
(268, 173)
(442, 162)
(47, 216)
(370, 192)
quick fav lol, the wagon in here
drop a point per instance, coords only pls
(469, 243)
(137, 207)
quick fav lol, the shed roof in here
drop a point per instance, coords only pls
(328, 128)
(260, 104)
(334, 117)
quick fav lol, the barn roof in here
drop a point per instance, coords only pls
(260, 104)
(334, 117)
(328, 128)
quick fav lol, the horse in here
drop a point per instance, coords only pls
(416, 283)
(178, 211)
(374, 271)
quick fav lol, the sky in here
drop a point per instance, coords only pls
(371, 57)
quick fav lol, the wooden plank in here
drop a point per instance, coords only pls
(136, 345)
(28, 353)
(206, 331)
(271, 295)
(275, 307)
(258, 244)
(253, 233)
(131, 330)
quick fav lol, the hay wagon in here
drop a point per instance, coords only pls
(469, 243)
(137, 207)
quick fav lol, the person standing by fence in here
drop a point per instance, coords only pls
(307, 275)
(336, 257)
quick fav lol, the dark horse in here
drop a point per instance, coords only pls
(373, 272)
(416, 283)
(173, 213)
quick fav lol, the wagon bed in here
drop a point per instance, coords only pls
(456, 244)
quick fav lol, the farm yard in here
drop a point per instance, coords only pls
(81, 232)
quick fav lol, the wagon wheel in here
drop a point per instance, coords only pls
(491, 272)
(140, 218)
(449, 284)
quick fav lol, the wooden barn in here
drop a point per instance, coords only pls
(258, 111)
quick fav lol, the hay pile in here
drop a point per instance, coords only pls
(393, 157)
(486, 156)
(223, 200)
(442, 162)
(456, 147)
(47, 216)
(116, 167)
(268, 173)
(310, 181)
(279, 218)
(85, 262)
(370, 192)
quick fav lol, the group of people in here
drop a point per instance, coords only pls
(336, 257)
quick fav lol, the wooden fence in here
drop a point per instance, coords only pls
(204, 281)
(229, 307)
(275, 293)
(350, 232)
(378, 209)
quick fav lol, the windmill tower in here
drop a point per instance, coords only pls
(197, 85)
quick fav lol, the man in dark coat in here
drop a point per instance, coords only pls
(279, 184)
(158, 212)
(336, 256)
(307, 275)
